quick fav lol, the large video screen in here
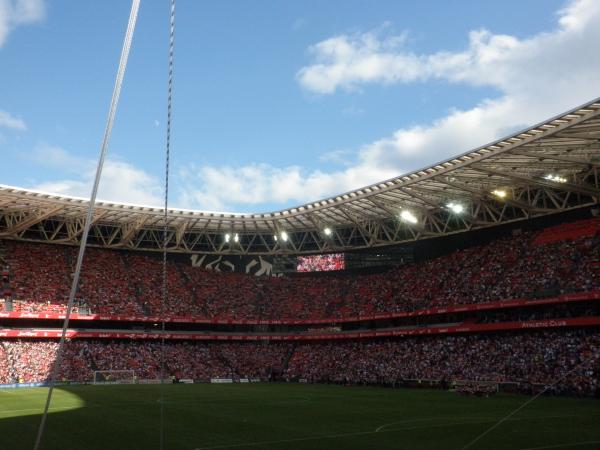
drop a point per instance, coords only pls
(320, 263)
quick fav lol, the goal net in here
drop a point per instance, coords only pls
(114, 377)
(477, 388)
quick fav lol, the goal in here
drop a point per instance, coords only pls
(114, 377)
(477, 388)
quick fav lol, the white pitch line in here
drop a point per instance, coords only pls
(333, 436)
(363, 433)
(487, 418)
(382, 427)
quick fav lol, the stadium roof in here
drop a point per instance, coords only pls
(549, 168)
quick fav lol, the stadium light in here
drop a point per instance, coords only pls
(500, 193)
(327, 231)
(555, 178)
(456, 208)
(275, 238)
(284, 236)
(409, 217)
(229, 237)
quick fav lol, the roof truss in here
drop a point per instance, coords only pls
(567, 145)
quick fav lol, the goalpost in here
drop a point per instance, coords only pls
(114, 377)
(477, 388)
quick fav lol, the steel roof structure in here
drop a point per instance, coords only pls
(549, 168)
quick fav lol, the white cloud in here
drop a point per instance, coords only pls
(502, 61)
(341, 157)
(258, 184)
(55, 157)
(14, 13)
(349, 60)
(120, 182)
(536, 78)
(9, 121)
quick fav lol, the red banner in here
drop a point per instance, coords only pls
(434, 330)
(515, 303)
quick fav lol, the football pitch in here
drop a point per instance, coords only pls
(291, 416)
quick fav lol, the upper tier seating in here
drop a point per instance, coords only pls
(130, 283)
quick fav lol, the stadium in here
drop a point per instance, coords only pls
(452, 307)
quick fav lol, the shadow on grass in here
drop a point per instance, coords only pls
(290, 417)
(81, 417)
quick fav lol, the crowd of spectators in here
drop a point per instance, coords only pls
(568, 359)
(27, 361)
(38, 275)
(542, 357)
(124, 282)
(106, 277)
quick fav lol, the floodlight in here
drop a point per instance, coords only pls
(236, 238)
(407, 216)
(284, 236)
(327, 231)
(275, 237)
(556, 178)
(456, 208)
(501, 193)
(227, 238)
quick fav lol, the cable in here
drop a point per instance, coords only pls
(166, 223)
(88, 221)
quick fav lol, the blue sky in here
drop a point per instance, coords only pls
(278, 103)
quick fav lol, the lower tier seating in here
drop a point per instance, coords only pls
(569, 359)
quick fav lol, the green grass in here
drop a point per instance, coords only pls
(291, 417)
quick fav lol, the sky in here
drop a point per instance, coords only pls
(278, 103)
